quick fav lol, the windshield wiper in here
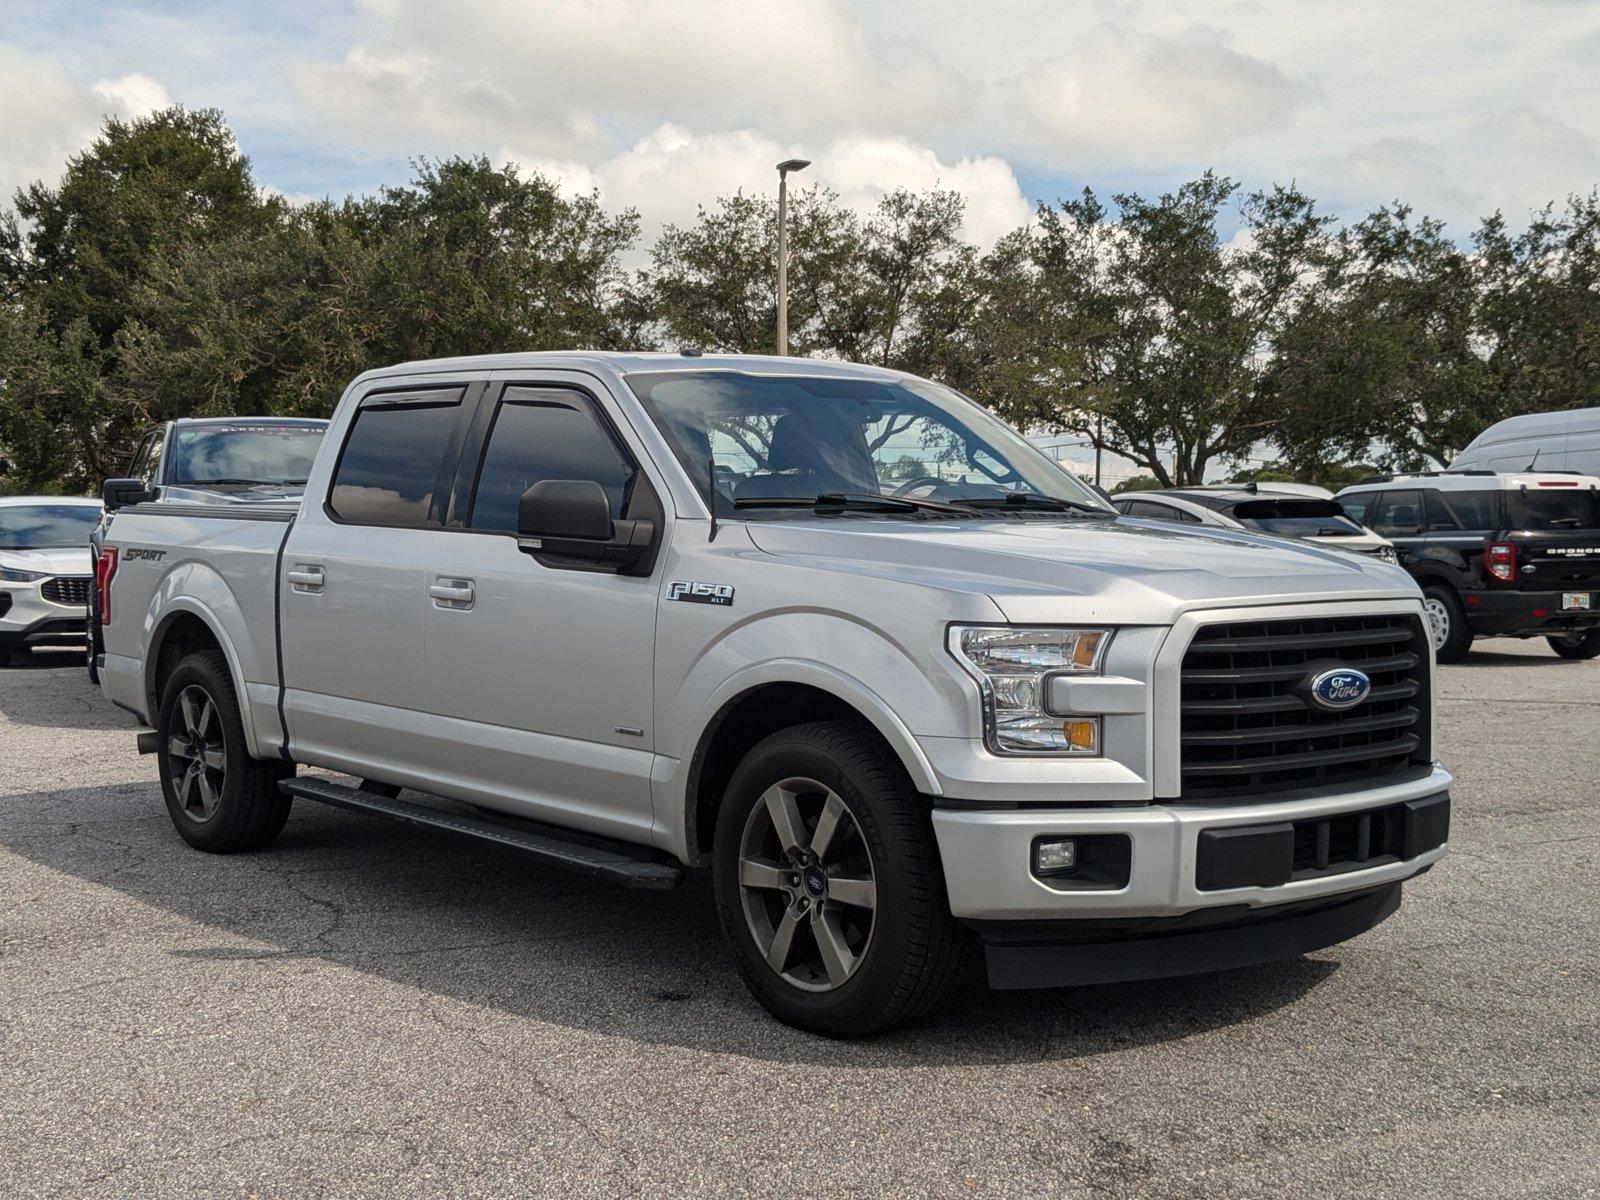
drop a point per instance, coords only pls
(826, 502)
(1015, 500)
(227, 481)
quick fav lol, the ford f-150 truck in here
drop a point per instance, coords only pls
(835, 635)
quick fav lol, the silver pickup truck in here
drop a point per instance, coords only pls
(831, 633)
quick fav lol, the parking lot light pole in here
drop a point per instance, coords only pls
(787, 165)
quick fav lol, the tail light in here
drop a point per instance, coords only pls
(104, 571)
(1501, 560)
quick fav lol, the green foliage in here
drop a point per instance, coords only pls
(157, 280)
(1139, 483)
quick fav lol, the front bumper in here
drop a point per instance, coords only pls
(1499, 613)
(987, 855)
(28, 619)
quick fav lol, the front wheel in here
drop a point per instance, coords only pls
(829, 885)
(1447, 623)
(220, 799)
(1577, 645)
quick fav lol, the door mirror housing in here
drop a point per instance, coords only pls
(116, 493)
(570, 519)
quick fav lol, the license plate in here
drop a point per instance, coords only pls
(1570, 600)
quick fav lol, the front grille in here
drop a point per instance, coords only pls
(66, 589)
(1246, 730)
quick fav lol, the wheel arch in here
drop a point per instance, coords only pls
(189, 625)
(758, 704)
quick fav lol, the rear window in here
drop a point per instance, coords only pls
(1296, 518)
(388, 472)
(1553, 508)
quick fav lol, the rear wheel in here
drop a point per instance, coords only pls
(1577, 645)
(1447, 623)
(220, 799)
(829, 885)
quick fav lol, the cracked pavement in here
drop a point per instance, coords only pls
(366, 1009)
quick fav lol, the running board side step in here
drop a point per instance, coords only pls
(551, 850)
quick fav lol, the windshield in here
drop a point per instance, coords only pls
(47, 526)
(1296, 518)
(1553, 508)
(245, 454)
(768, 437)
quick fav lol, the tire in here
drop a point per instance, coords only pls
(1577, 645)
(894, 959)
(231, 801)
(1447, 623)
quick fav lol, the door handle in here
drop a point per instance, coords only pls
(451, 593)
(305, 578)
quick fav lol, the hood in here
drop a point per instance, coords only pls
(1127, 572)
(62, 560)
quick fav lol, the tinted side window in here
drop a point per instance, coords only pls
(151, 471)
(1475, 510)
(388, 471)
(541, 434)
(1397, 514)
(1357, 504)
(1440, 518)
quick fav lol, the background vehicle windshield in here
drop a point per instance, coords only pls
(272, 454)
(798, 436)
(46, 526)
(1296, 518)
(1553, 508)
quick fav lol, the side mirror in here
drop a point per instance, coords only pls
(571, 519)
(119, 492)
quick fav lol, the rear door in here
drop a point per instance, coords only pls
(1398, 516)
(353, 584)
(540, 672)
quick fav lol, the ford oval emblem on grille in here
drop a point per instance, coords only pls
(1339, 688)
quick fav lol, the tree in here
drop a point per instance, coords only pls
(467, 259)
(75, 259)
(1146, 333)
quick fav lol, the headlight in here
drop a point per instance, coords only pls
(1011, 666)
(12, 575)
(1387, 554)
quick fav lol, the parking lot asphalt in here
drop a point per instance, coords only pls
(368, 1010)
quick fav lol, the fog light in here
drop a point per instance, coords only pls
(1055, 857)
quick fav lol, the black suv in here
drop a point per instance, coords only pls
(1496, 555)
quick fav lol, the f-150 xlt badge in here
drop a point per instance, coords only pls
(1340, 688)
(700, 593)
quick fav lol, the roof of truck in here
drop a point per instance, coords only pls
(1467, 481)
(188, 421)
(636, 361)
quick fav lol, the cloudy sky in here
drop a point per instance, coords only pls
(1459, 107)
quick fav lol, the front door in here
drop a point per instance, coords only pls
(540, 672)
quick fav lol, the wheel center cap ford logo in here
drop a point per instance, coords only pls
(816, 881)
(1339, 688)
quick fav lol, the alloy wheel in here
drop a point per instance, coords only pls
(807, 884)
(196, 755)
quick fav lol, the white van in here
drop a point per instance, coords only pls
(1550, 441)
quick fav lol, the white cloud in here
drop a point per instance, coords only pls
(669, 172)
(49, 116)
(1121, 96)
(132, 95)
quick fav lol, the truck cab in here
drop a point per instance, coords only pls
(833, 636)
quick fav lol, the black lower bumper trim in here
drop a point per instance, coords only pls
(1030, 960)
